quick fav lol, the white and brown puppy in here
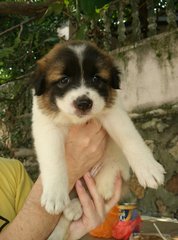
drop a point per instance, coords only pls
(76, 82)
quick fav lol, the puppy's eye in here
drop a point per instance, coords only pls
(96, 79)
(64, 81)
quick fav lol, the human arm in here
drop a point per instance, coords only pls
(33, 222)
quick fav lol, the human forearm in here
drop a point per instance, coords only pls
(32, 222)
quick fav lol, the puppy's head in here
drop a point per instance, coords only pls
(77, 79)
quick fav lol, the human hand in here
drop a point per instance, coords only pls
(94, 207)
(85, 147)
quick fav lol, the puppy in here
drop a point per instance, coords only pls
(73, 83)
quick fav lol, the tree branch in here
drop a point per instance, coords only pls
(16, 26)
(22, 77)
(25, 9)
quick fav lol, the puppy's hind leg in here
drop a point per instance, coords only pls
(114, 163)
(61, 230)
(72, 212)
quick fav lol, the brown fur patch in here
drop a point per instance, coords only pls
(55, 69)
(55, 73)
(104, 73)
(111, 98)
(46, 106)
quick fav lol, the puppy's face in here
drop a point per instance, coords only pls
(76, 79)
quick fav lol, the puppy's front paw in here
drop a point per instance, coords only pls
(74, 210)
(150, 174)
(55, 200)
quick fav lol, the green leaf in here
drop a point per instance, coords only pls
(81, 33)
(105, 7)
(52, 40)
(6, 52)
(89, 7)
(66, 2)
(57, 7)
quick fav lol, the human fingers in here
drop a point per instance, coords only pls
(97, 198)
(96, 168)
(117, 194)
(85, 200)
(89, 219)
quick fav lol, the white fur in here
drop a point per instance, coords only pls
(79, 51)
(49, 144)
(67, 107)
(49, 135)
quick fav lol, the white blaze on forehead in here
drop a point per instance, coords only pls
(78, 49)
(66, 103)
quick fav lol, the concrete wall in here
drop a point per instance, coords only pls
(149, 72)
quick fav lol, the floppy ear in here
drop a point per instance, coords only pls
(115, 78)
(38, 79)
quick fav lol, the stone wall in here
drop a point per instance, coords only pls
(159, 128)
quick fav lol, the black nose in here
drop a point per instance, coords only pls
(83, 103)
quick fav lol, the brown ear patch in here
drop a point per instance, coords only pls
(50, 65)
(48, 70)
(38, 79)
(54, 73)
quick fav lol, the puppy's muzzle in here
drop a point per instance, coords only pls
(83, 104)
